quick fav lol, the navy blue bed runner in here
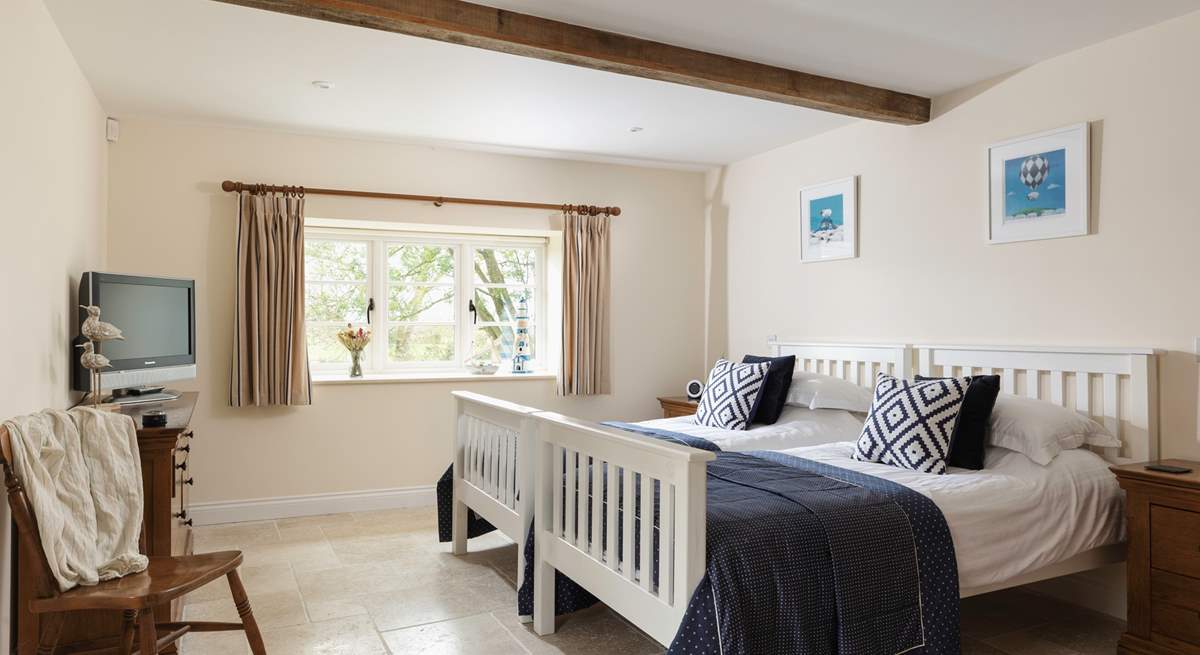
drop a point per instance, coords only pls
(805, 558)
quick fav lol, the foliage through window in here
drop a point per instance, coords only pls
(433, 302)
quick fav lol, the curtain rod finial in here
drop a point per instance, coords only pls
(614, 211)
(228, 185)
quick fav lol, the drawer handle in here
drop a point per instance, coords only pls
(188, 523)
(181, 467)
(191, 481)
(181, 515)
(185, 449)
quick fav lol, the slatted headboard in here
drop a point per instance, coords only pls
(858, 363)
(1117, 387)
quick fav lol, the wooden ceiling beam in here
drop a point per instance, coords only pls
(465, 23)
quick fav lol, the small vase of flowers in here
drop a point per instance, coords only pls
(355, 340)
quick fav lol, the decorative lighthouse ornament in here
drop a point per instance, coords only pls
(521, 352)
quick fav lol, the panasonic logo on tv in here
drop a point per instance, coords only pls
(149, 362)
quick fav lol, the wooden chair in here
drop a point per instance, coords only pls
(166, 579)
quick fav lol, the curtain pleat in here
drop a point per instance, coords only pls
(270, 358)
(584, 368)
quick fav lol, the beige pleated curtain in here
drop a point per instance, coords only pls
(270, 356)
(585, 329)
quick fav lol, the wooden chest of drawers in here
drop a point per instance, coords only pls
(1163, 512)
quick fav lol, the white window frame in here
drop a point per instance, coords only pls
(463, 244)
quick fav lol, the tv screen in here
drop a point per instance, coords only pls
(155, 320)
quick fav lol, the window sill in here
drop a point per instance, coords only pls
(426, 376)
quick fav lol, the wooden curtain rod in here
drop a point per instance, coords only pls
(438, 201)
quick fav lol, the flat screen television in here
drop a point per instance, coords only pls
(157, 316)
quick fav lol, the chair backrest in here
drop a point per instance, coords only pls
(22, 511)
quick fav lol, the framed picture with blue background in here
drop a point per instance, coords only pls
(1039, 186)
(829, 221)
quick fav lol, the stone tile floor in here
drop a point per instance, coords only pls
(379, 582)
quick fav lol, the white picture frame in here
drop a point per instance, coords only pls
(829, 221)
(1039, 186)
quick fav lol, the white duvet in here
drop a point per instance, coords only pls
(1013, 517)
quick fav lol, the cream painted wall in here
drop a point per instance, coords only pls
(925, 271)
(52, 177)
(168, 217)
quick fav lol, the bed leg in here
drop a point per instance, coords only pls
(458, 527)
(543, 593)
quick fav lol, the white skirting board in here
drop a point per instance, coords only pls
(1100, 590)
(261, 509)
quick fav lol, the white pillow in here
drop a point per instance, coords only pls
(816, 391)
(1041, 429)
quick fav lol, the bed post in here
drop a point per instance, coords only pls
(543, 574)
(526, 460)
(458, 511)
(691, 538)
(1143, 383)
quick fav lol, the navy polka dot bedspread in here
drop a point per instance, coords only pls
(803, 558)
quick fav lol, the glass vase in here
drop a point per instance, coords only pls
(356, 364)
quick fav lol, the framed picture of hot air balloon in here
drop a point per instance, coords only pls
(1039, 186)
(829, 221)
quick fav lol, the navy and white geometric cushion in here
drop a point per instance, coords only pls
(910, 423)
(732, 394)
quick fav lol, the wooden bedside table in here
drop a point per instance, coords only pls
(1163, 513)
(677, 406)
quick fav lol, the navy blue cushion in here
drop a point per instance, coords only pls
(775, 389)
(910, 424)
(731, 395)
(969, 441)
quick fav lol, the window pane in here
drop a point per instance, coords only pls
(421, 343)
(335, 302)
(417, 263)
(323, 346)
(504, 265)
(335, 260)
(495, 344)
(421, 304)
(500, 304)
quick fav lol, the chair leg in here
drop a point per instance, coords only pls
(128, 621)
(148, 633)
(49, 629)
(242, 602)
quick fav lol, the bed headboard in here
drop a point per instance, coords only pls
(856, 362)
(1117, 387)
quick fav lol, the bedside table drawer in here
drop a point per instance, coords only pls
(1175, 606)
(1175, 541)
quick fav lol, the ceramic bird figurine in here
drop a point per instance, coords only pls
(93, 362)
(91, 359)
(97, 330)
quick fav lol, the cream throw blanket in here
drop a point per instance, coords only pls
(83, 475)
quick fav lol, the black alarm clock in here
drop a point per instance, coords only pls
(694, 389)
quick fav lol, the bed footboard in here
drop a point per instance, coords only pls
(493, 467)
(594, 486)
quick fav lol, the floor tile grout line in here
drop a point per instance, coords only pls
(509, 632)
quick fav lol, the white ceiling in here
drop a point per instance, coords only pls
(207, 61)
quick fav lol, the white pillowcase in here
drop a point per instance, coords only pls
(816, 391)
(1041, 430)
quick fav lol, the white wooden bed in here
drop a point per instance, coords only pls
(1115, 386)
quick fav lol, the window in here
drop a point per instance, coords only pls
(433, 302)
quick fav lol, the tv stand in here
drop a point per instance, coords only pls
(130, 399)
